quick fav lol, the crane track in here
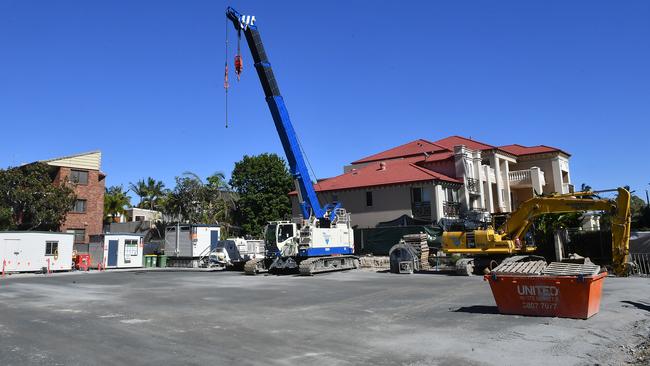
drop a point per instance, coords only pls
(312, 266)
(252, 267)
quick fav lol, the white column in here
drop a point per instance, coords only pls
(489, 203)
(477, 175)
(536, 180)
(496, 165)
(436, 206)
(460, 157)
(506, 186)
(557, 176)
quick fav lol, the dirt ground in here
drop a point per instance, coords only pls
(347, 318)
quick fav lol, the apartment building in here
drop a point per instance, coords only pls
(86, 216)
(447, 178)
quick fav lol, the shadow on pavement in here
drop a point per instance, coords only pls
(478, 309)
(637, 305)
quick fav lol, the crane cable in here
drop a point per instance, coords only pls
(304, 153)
(225, 76)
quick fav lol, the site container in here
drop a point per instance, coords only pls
(33, 251)
(557, 296)
(116, 250)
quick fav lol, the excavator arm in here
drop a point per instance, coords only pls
(520, 220)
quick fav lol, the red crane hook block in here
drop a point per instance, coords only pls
(239, 65)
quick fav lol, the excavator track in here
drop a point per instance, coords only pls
(312, 266)
(254, 266)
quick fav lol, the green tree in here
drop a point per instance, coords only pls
(116, 202)
(139, 188)
(154, 193)
(198, 202)
(29, 200)
(263, 184)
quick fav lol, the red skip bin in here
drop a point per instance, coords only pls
(557, 296)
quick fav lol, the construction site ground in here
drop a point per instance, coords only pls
(357, 317)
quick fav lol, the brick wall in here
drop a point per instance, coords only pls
(93, 193)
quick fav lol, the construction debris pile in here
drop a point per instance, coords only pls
(410, 255)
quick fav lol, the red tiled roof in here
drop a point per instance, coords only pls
(519, 150)
(398, 171)
(451, 141)
(413, 148)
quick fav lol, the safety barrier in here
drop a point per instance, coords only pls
(642, 263)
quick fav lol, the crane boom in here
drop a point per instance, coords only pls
(307, 195)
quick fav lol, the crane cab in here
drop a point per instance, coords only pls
(279, 236)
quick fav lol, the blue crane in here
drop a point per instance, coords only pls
(326, 239)
(308, 199)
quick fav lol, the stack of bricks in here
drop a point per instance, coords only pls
(419, 244)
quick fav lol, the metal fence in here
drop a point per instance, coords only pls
(642, 261)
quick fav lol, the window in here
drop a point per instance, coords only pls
(139, 218)
(130, 247)
(79, 206)
(79, 235)
(369, 198)
(417, 194)
(51, 248)
(285, 232)
(452, 195)
(79, 176)
(420, 194)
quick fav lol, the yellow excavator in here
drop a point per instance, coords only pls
(488, 247)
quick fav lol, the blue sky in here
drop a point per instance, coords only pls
(142, 81)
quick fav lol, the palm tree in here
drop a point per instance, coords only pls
(139, 188)
(115, 202)
(155, 190)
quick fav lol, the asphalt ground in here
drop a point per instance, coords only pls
(347, 318)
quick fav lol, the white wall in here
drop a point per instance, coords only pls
(25, 251)
(123, 261)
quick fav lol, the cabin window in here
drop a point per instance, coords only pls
(79, 176)
(51, 248)
(369, 198)
(130, 247)
(79, 206)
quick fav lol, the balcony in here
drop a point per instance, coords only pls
(473, 186)
(421, 210)
(451, 209)
(524, 178)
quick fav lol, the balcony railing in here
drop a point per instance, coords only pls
(473, 186)
(451, 209)
(519, 177)
(421, 210)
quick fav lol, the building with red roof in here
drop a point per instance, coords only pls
(447, 178)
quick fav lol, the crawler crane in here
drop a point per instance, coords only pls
(325, 240)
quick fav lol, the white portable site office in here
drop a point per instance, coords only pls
(116, 250)
(194, 241)
(30, 251)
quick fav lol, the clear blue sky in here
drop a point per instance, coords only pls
(142, 81)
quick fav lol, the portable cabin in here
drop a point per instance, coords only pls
(194, 241)
(30, 251)
(116, 250)
(191, 245)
